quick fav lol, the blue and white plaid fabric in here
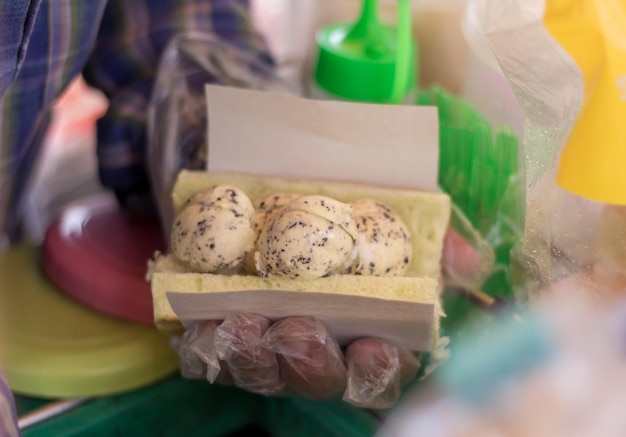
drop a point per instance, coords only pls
(116, 45)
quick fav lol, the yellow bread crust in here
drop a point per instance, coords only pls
(384, 306)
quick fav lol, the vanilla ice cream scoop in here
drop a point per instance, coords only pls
(308, 238)
(224, 196)
(383, 246)
(213, 231)
(264, 209)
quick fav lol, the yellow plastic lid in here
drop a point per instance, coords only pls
(54, 347)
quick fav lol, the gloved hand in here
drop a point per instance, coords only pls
(295, 355)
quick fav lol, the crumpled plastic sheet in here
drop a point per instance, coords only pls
(561, 229)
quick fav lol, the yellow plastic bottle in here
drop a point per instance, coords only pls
(593, 32)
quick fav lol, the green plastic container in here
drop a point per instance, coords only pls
(367, 61)
(179, 407)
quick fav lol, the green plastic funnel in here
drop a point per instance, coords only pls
(368, 61)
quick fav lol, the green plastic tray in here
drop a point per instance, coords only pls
(180, 407)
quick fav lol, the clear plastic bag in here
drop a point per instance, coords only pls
(198, 356)
(479, 167)
(377, 370)
(557, 82)
(238, 342)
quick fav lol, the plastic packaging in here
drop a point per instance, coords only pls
(177, 114)
(196, 350)
(485, 86)
(310, 358)
(295, 355)
(479, 167)
(467, 258)
(377, 370)
(565, 233)
(238, 342)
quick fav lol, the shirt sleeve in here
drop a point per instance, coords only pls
(43, 46)
(124, 64)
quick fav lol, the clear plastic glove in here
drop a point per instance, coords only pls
(298, 355)
(310, 359)
(198, 355)
(295, 355)
(238, 342)
(377, 370)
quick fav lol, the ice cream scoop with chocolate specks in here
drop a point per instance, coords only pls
(383, 246)
(264, 209)
(308, 238)
(213, 231)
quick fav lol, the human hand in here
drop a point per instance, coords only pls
(295, 355)
(298, 355)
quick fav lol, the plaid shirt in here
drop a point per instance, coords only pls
(116, 45)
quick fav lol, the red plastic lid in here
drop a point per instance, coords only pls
(97, 255)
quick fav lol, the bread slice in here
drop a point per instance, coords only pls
(404, 309)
